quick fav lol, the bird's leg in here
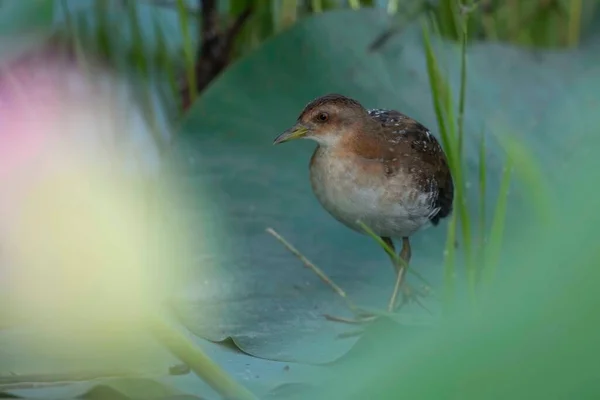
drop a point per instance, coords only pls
(400, 266)
(405, 255)
(389, 242)
(406, 252)
(408, 293)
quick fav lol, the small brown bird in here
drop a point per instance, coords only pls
(376, 166)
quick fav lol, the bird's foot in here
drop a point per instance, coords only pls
(411, 295)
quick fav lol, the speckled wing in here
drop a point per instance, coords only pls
(411, 145)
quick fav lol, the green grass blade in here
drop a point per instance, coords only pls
(184, 349)
(69, 24)
(494, 245)
(104, 29)
(449, 264)
(463, 207)
(529, 172)
(521, 163)
(435, 85)
(354, 4)
(78, 32)
(463, 84)
(482, 197)
(163, 61)
(138, 53)
(574, 24)
(392, 6)
(442, 99)
(288, 13)
(317, 6)
(447, 15)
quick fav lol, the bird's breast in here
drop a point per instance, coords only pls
(340, 185)
(352, 189)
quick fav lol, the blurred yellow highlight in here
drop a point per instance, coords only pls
(84, 235)
(80, 245)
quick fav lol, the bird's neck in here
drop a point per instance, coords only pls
(364, 140)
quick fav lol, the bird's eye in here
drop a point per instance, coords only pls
(322, 117)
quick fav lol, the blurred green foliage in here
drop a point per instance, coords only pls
(538, 23)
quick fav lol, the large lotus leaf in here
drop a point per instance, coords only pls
(258, 293)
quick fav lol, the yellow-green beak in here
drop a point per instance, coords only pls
(295, 132)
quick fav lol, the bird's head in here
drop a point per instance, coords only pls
(327, 120)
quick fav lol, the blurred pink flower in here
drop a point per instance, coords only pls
(57, 115)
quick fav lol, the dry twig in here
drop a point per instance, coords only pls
(362, 316)
(313, 268)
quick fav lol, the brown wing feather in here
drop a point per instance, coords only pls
(410, 145)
